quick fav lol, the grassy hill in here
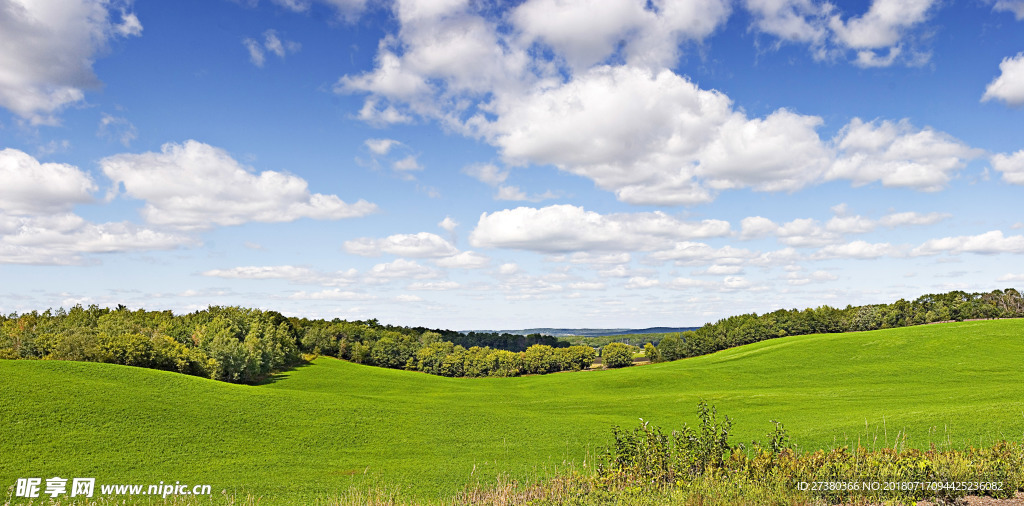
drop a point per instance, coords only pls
(321, 428)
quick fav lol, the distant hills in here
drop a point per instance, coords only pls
(585, 332)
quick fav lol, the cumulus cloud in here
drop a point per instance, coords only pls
(1011, 166)
(421, 245)
(791, 20)
(406, 164)
(565, 228)
(586, 32)
(195, 185)
(1009, 86)
(858, 249)
(806, 232)
(641, 282)
(988, 243)
(37, 227)
(49, 49)
(448, 224)
(688, 252)
(61, 239)
(464, 260)
(898, 155)
(879, 37)
(31, 187)
(620, 117)
(399, 269)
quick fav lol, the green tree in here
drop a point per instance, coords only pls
(651, 352)
(616, 355)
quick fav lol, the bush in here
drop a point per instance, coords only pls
(617, 355)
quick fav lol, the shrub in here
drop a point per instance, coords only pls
(617, 355)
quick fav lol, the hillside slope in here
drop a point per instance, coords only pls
(324, 427)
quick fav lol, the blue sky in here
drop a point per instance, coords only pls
(488, 164)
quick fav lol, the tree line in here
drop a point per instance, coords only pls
(751, 328)
(242, 345)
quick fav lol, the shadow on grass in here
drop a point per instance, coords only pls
(276, 376)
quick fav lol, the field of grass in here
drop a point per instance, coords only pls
(330, 425)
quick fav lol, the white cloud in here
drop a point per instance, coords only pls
(585, 32)
(697, 253)
(345, 9)
(381, 146)
(1009, 86)
(641, 282)
(256, 55)
(49, 48)
(61, 239)
(564, 228)
(195, 185)
(587, 285)
(408, 298)
(421, 245)
(302, 275)
(988, 243)
(332, 294)
(262, 272)
(464, 260)
(513, 193)
(884, 24)
(486, 173)
(897, 155)
(792, 20)
(722, 270)
(878, 37)
(508, 269)
(407, 164)
(115, 128)
(754, 227)
(858, 249)
(1011, 277)
(584, 257)
(36, 226)
(781, 152)
(30, 187)
(850, 225)
(912, 218)
(448, 224)
(433, 285)
(1011, 166)
(1014, 6)
(400, 269)
(795, 278)
(636, 128)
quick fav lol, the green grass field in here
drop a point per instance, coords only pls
(322, 428)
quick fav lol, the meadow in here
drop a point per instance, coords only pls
(320, 429)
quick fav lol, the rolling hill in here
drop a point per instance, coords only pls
(322, 428)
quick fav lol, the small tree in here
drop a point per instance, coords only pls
(617, 355)
(651, 352)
